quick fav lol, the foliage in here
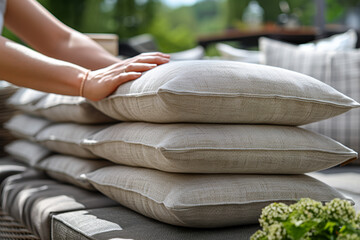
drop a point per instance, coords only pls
(309, 219)
(174, 29)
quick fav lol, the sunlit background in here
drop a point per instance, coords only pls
(177, 24)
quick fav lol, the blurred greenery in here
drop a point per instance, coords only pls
(175, 28)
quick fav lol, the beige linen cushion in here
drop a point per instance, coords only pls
(27, 152)
(25, 99)
(204, 200)
(224, 92)
(71, 169)
(65, 138)
(217, 148)
(61, 108)
(26, 126)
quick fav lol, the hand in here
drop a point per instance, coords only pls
(101, 83)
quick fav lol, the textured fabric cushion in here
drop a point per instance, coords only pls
(217, 148)
(65, 138)
(71, 169)
(338, 42)
(224, 92)
(25, 99)
(32, 198)
(26, 126)
(203, 200)
(195, 53)
(62, 108)
(231, 53)
(27, 152)
(122, 223)
(340, 70)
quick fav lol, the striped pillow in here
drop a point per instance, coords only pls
(340, 70)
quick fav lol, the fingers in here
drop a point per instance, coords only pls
(159, 54)
(151, 59)
(125, 77)
(139, 67)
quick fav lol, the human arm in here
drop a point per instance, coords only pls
(46, 34)
(28, 68)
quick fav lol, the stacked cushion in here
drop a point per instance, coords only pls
(26, 126)
(200, 200)
(61, 108)
(27, 152)
(189, 115)
(6, 112)
(224, 92)
(57, 108)
(219, 148)
(65, 138)
(337, 69)
(71, 169)
(25, 100)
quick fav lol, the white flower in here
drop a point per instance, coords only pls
(340, 210)
(276, 232)
(258, 235)
(274, 213)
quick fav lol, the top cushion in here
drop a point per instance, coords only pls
(224, 92)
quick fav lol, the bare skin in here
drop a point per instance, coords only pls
(62, 56)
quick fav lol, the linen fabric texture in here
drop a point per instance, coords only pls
(224, 92)
(338, 42)
(202, 200)
(25, 99)
(65, 138)
(340, 70)
(217, 148)
(26, 126)
(61, 108)
(71, 169)
(56, 107)
(27, 152)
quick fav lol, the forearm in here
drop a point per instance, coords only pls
(81, 50)
(46, 34)
(27, 68)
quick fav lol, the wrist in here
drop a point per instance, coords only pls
(83, 79)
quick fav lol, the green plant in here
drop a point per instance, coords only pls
(309, 219)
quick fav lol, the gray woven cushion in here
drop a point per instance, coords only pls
(217, 148)
(123, 223)
(65, 138)
(60, 108)
(204, 200)
(224, 92)
(27, 152)
(25, 100)
(71, 169)
(26, 126)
